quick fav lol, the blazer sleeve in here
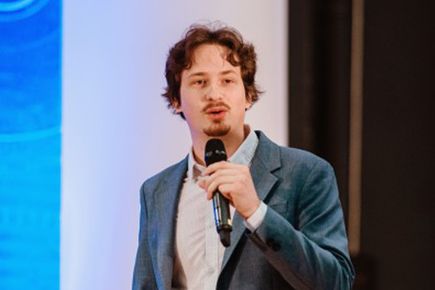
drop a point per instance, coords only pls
(143, 271)
(312, 254)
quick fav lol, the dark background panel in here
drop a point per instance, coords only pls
(398, 231)
(319, 64)
(398, 143)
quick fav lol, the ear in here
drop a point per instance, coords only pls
(248, 104)
(176, 106)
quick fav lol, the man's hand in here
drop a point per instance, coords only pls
(234, 181)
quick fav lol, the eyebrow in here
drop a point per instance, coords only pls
(200, 74)
(227, 72)
(197, 74)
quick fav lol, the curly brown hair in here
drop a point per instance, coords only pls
(239, 53)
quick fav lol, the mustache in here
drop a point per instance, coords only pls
(215, 104)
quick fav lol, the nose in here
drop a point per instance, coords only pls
(213, 93)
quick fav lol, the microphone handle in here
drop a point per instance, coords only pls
(222, 218)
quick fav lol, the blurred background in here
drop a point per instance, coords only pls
(82, 125)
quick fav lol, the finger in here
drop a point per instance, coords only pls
(226, 190)
(213, 182)
(220, 165)
(213, 167)
(208, 180)
(218, 181)
(222, 172)
(202, 183)
(226, 195)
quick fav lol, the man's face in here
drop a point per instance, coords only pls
(212, 94)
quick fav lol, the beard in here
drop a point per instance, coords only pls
(217, 129)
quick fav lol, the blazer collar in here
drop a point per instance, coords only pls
(266, 160)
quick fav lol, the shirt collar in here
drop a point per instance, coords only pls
(243, 156)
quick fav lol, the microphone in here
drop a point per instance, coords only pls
(215, 152)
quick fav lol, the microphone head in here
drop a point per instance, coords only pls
(214, 151)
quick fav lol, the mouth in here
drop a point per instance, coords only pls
(217, 112)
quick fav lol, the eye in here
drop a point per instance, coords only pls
(199, 82)
(228, 81)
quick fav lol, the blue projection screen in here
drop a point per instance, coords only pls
(30, 140)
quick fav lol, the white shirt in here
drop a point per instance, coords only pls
(199, 252)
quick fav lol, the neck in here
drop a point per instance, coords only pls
(231, 141)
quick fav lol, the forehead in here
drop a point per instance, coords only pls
(209, 52)
(209, 58)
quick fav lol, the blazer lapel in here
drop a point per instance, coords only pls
(163, 237)
(265, 161)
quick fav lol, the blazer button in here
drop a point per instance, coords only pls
(273, 244)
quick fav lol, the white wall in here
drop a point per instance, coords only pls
(116, 128)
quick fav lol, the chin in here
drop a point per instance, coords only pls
(217, 130)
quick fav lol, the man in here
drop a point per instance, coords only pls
(288, 229)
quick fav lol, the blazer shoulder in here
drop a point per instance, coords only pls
(291, 157)
(302, 158)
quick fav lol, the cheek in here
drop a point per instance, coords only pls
(190, 108)
(241, 109)
(185, 100)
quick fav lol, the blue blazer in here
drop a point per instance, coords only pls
(301, 244)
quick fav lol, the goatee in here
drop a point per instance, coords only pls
(217, 130)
